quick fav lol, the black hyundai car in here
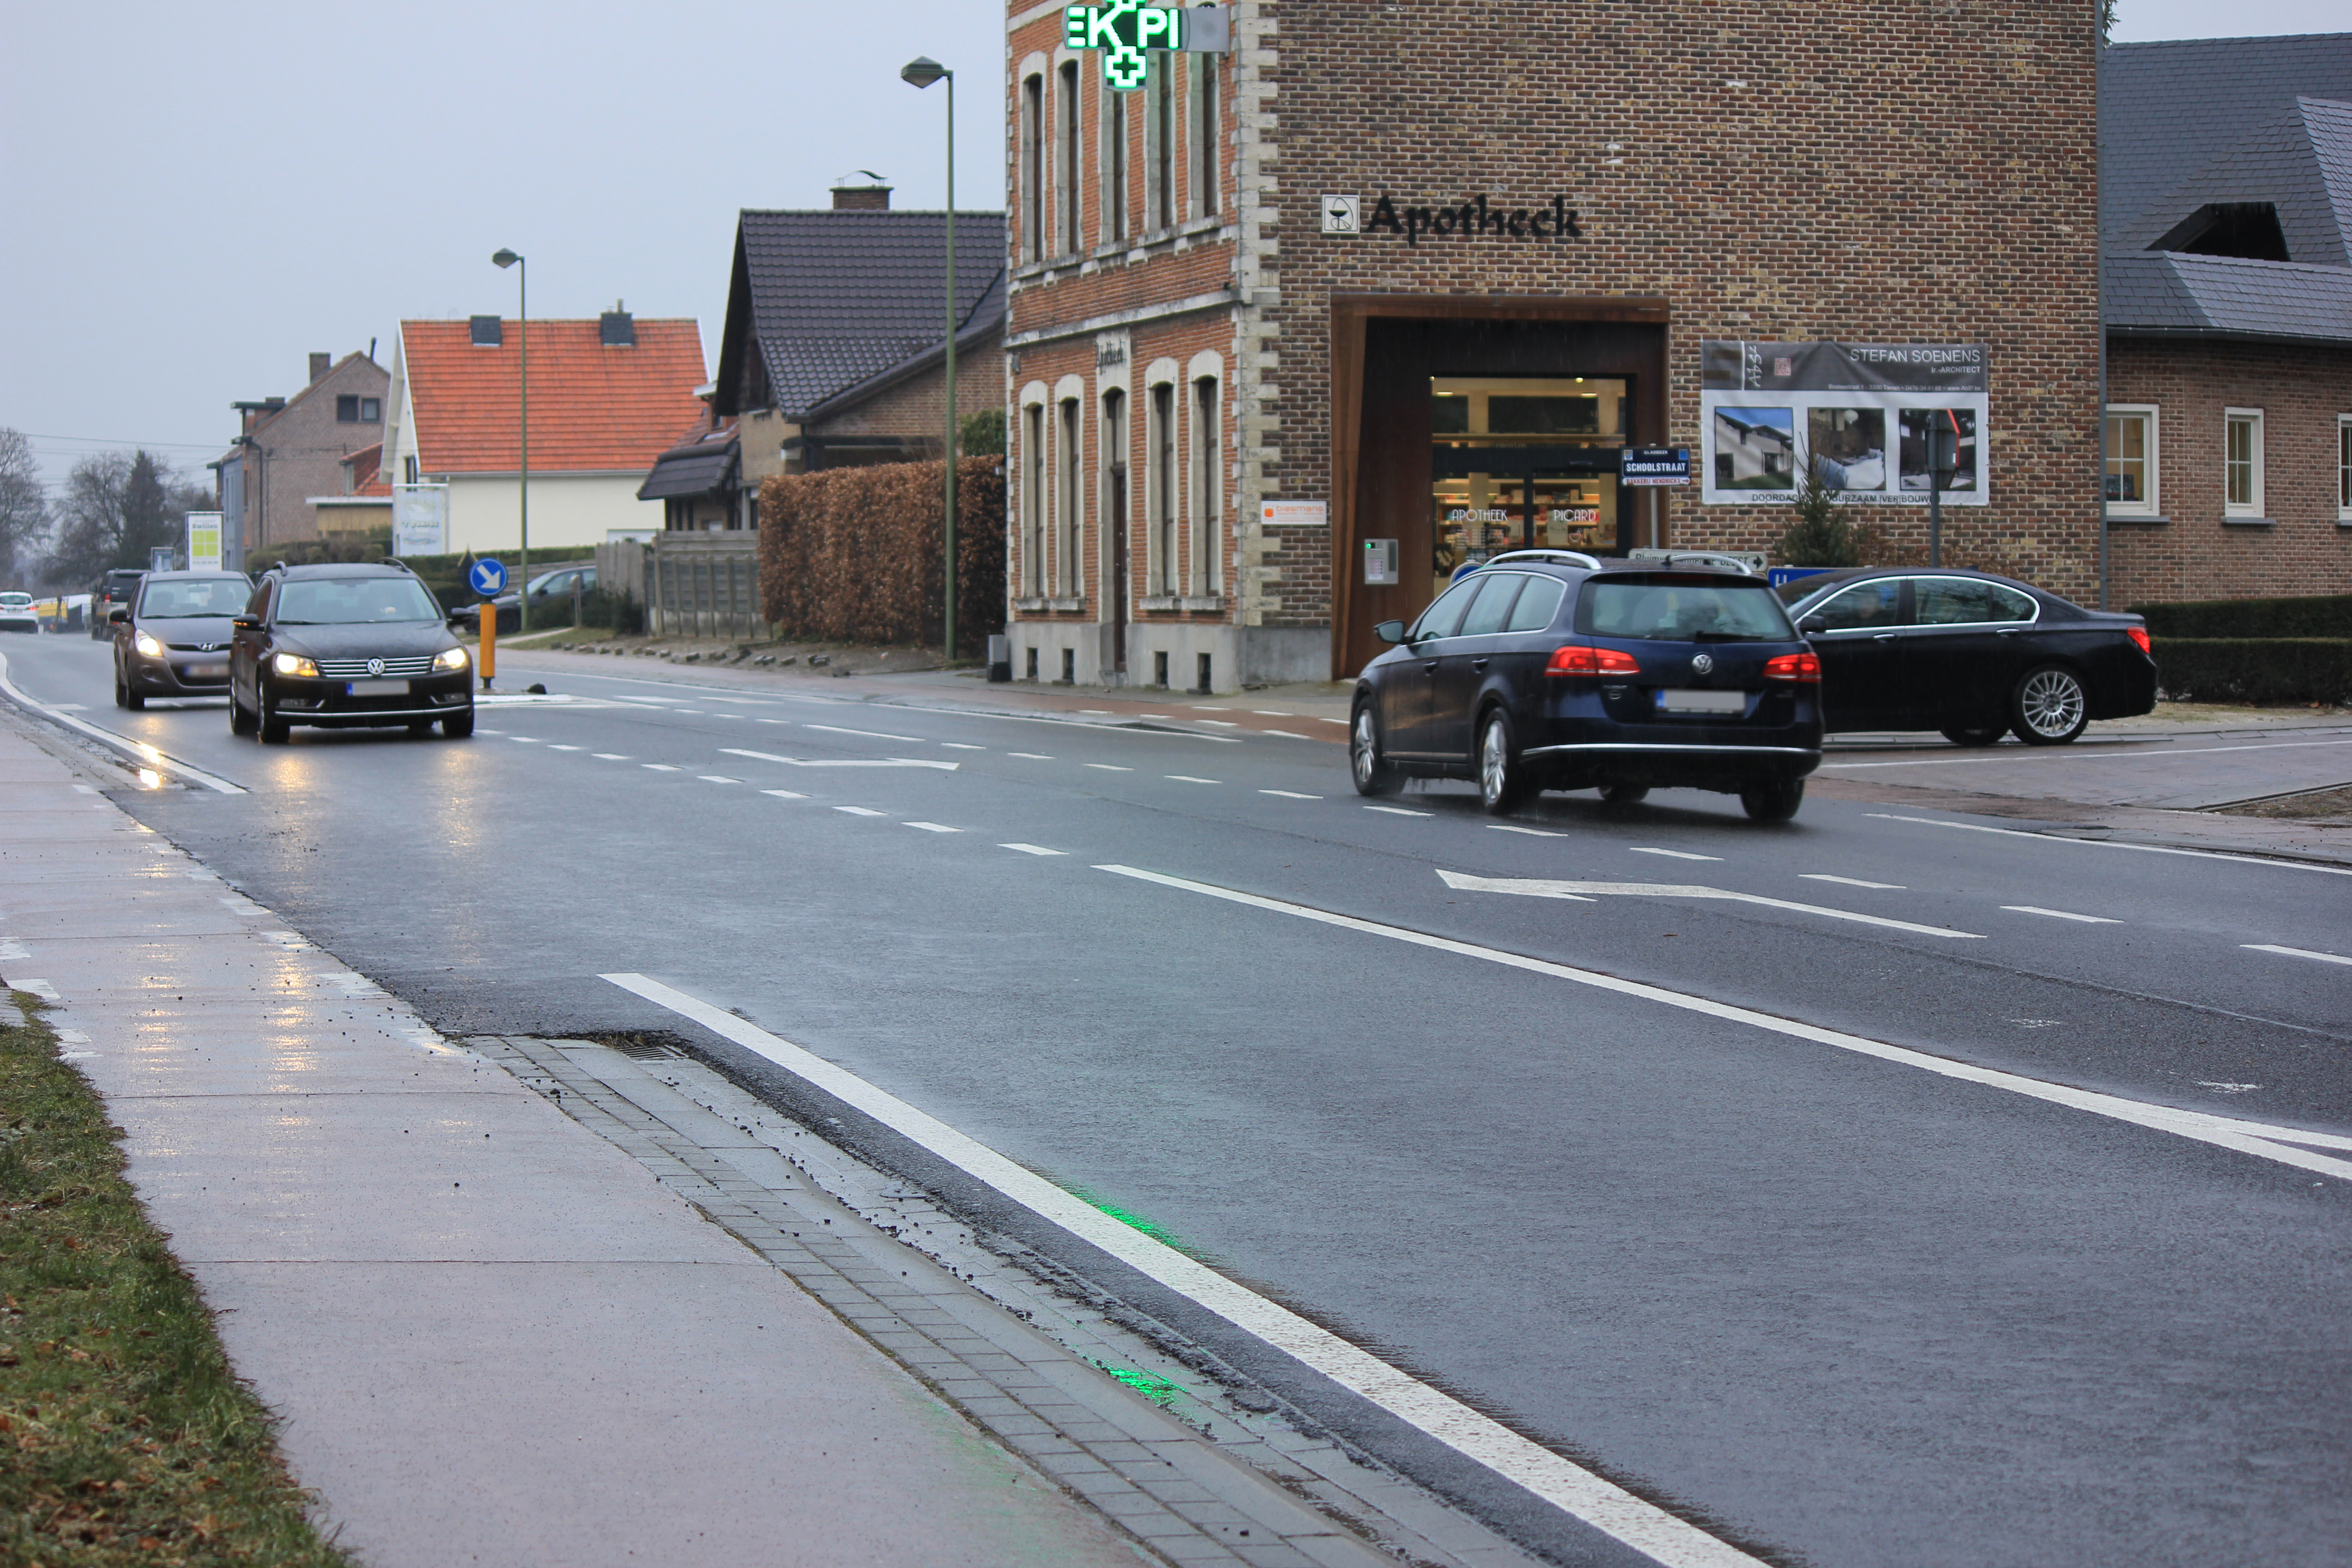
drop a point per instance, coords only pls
(1550, 670)
(172, 639)
(343, 646)
(1967, 654)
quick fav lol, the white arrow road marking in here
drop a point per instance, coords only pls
(1570, 1488)
(2261, 1139)
(841, 761)
(870, 734)
(2294, 952)
(1534, 888)
(2113, 844)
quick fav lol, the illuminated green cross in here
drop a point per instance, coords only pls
(1123, 30)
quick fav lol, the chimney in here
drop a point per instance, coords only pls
(616, 329)
(320, 364)
(873, 198)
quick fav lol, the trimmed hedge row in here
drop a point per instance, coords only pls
(852, 554)
(2315, 616)
(2255, 670)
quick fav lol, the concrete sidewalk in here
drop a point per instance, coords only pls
(494, 1337)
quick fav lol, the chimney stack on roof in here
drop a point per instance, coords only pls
(872, 196)
(320, 364)
(616, 329)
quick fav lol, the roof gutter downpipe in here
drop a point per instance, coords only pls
(2099, 293)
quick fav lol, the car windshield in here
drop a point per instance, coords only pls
(349, 601)
(1690, 610)
(194, 596)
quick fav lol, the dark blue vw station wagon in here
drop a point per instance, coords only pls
(1552, 669)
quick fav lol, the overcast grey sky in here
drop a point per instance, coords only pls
(194, 198)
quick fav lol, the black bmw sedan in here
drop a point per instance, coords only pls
(1967, 654)
(341, 646)
(1550, 670)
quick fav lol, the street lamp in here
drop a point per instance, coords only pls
(921, 71)
(504, 259)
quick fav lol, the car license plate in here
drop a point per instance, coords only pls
(205, 671)
(378, 688)
(1682, 700)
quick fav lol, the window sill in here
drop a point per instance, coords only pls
(1211, 604)
(1157, 601)
(1047, 607)
(2249, 523)
(2137, 520)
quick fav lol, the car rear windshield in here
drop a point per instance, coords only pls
(194, 596)
(17, 601)
(350, 601)
(1687, 609)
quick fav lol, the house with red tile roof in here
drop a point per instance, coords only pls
(608, 397)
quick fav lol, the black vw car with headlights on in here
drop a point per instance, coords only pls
(344, 646)
(172, 639)
(1550, 670)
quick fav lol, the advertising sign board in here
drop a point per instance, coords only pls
(1865, 414)
(204, 541)
(420, 520)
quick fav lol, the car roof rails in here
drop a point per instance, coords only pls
(1553, 557)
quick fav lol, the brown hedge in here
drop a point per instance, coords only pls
(853, 554)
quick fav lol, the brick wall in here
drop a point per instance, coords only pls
(303, 447)
(2302, 393)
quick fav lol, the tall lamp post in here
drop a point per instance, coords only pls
(504, 259)
(921, 71)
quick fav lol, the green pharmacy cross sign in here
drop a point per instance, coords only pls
(1126, 31)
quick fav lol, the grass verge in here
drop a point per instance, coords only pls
(127, 1438)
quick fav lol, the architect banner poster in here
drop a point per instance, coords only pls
(420, 520)
(1860, 411)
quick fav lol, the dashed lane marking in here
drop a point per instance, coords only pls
(784, 794)
(932, 827)
(1536, 887)
(556, 748)
(962, 746)
(1220, 723)
(1033, 849)
(609, 756)
(1109, 768)
(1676, 853)
(1530, 832)
(1399, 811)
(1030, 756)
(1852, 882)
(840, 762)
(2294, 952)
(2059, 914)
(661, 767)
(524, 739)
(717, 778)
(1188, 778)
(1564, 1484)
(1284, 733)
(861, 811)
(1290, 794)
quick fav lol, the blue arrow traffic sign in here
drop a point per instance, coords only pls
(488, 577)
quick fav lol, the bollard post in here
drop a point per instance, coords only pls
(489, 655)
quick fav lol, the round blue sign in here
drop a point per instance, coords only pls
(488, 577)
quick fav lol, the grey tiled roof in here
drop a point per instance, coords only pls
(695, 470)
(2166, 110)
(2164, 291)
(836, 299)
(2300, 162)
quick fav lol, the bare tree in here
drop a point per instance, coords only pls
(23, 505)
(118, 507)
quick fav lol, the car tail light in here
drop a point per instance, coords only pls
(2139, 635)
(1794, 666)
(1576, 660)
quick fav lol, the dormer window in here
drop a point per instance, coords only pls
(616, 330)
(486, 331)
(2247, 231)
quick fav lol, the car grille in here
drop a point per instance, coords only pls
(357, 669)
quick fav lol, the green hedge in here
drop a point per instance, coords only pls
(2329, 616)
(2254, 669)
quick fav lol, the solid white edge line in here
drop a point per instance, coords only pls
(1569, 1487)
(2293, 951)
(2223, 1132)
(2111, 844)
(140, 750)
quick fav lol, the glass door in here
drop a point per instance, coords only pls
(1520, 463)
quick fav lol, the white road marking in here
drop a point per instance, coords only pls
(139, 749)
(609, 757)
(1536, 887)
(1033, 849)
(1270, 713)
(85, 789)
(661, 767)
(2293, 951)
(784, 794)
(840, 762)
(870, 734)
(1678, 854)
(2230, 1088)
(1290, 794)
(1399, 811)
(1099, 712)
(2111, 844)
(1030, 756)
(2257, 1138)
(1220, 723)
(861, 811)
(524, 739)
(775, 720)
(2059, 914)
(1852, 882)
(725, 715)
(489, 731)
(932, 827)
(1564, 1484)
(1530, 832)
(1188, 778)
(717, 778)
(69, 707)
(962, 746)
(2074, 756)
(15, 953)
(1286, 734)
(1111, 767)
(41, 988)
(553, 748)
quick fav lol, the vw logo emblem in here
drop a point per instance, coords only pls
(1699, 665)
(375, 666)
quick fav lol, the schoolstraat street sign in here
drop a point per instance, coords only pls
(1126, 31)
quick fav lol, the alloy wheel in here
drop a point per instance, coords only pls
(2052, 704)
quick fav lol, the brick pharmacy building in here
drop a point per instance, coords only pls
(1313, 302)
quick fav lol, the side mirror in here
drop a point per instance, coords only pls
(1814, 625)
(1390, 631)
(246, 623)
(116, 617)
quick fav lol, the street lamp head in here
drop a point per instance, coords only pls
(505, 259)
(923, 71)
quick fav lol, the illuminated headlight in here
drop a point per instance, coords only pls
(451, 658)
(293, 664)
(148, 645)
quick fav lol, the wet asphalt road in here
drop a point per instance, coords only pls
(1841, 1310)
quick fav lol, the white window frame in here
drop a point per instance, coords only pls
(1070, 413)
(1206, 412)
(1034, 135)
(2146, 505)
(1035, 488)
(2252, 506)
(1207, 141)
(2344, 468)
(1070, 156)
(1163, 496)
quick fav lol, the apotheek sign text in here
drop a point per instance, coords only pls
(1473, 218)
